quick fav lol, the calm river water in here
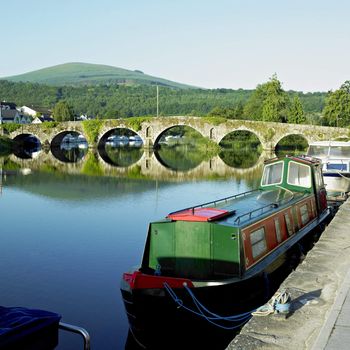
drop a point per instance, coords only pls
(71, 227)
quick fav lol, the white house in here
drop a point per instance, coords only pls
(28, 111)
(13, 116)
(35, 111)
(9, 114)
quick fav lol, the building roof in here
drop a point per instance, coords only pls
(38, 109)
(45, 118)
(11, 105)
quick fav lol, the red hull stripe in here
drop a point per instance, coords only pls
(198, 214)
(138, 280)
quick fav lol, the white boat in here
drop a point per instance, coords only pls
(135, 141)
(117, 140)
(335, 156)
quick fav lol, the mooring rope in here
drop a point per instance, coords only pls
(345, 177)
(279, 303)
(203, 312)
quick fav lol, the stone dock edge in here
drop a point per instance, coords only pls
(318, 288)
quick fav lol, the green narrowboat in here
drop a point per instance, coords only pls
(210, 265)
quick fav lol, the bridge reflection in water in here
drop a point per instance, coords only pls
(141, 163)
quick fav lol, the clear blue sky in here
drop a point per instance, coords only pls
(211, 44)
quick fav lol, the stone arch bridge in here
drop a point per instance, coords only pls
(151, 129)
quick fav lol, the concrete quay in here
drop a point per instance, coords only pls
(319, 316)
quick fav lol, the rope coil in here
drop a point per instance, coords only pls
(279, 303)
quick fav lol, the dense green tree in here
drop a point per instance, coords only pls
(63, 112)
(253, 107)
(139, 100)
(235, 112)
(269, 102)
(337, 107)
(296, 112)
(112, 114)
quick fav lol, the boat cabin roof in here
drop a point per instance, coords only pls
(241, 210)
(331, 143)
(285, 181)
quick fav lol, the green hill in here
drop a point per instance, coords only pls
(91, 74)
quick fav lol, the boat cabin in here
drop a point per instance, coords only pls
(230, 237)
(335, 157)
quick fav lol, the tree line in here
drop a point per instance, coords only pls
(268, 102)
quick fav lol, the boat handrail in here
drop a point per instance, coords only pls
(261, 210)
(215, 203)
(269, 206)
(78, 330)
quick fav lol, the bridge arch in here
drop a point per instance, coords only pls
(110, 131)
(160, 133)
(243, 128)
(20, 138)
(278, 140)
(26, 146)
(237, 132)
(58, 138)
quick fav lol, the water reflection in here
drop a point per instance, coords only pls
(282, 151)
(138, 163)
(240, 149)
(244, 158)
(121, 156)
(70, 152)
(179, 157)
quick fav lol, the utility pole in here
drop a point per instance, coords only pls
(157, 101)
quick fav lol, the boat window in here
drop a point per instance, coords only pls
(272, 174)
(258, 241)
(318, 151)
(339, 166)
(299, 175)
(304, 213)
(319, 178)
(340, 151)
(278, 230)
(288, 224)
